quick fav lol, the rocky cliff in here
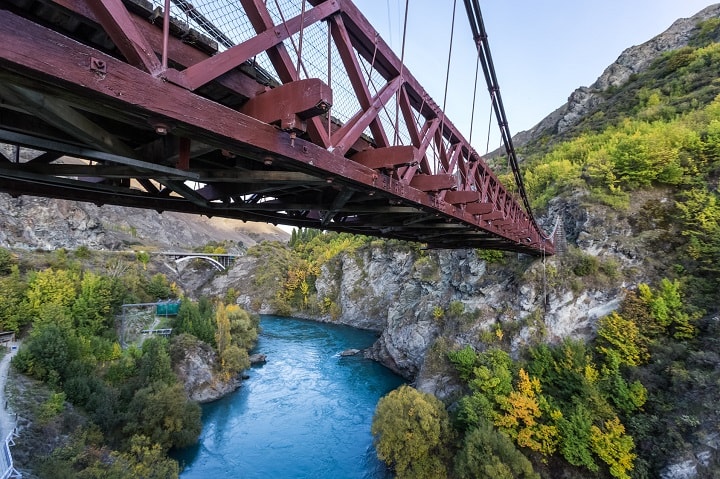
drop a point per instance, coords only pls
(197, 366)
(32, 222)
(414, 297)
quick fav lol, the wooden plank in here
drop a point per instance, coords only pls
(433, 182)
(290, 104)
(460, 197)
(479, 208)
(493, 216)
(389, 157)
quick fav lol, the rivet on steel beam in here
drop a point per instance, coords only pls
(160, 126)
(98, 66)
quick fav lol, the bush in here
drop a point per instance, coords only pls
(412, 434)
(6, 261)
(489, 454)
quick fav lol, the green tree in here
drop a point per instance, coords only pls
(91, 311)
(154, 365)
(243, 326)
(7, 261)
(489, 454)
(12, 313)
(143, 257)
(144, 460)
(159, 287)
(193, 319)
(464, 360)
(234, 360)
(575, 444)
(412, 434)
(162, 413)
(670, 295)
(490, 381)
(614, 447)
(50, 286)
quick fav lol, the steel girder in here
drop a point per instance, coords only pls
(87, 82)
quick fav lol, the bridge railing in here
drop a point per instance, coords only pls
(7, 468)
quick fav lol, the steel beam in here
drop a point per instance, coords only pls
(49, 61)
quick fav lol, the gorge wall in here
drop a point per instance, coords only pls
(427, 301)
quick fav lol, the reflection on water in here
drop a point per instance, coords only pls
(306, 413)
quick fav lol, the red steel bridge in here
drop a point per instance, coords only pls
(283, 111)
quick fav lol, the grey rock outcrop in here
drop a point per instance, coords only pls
(45, 223)
(406, 296)
(631, 61)
(197, 369)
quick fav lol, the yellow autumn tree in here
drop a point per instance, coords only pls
(623, 337)
(614, 447)
(521, 414)
(235, 332)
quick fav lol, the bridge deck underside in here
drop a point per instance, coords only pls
(100, 123)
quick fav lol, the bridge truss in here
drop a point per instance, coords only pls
(282, 111)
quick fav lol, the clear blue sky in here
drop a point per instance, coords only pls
(542, 50)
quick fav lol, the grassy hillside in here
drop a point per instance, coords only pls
(661, 130)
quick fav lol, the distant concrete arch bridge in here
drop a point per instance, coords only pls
(221, 262)
(288, 111)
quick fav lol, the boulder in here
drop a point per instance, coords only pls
(258, 359)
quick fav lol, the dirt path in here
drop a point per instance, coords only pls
(7, 417)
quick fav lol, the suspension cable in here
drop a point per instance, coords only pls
(402, 64)
(300, 40)
(483, 48)
(472, 112)
(487, 144)
(447, 73)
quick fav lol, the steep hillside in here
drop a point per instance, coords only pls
(32, 222)
(585, 101)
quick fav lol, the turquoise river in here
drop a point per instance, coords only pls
(304, 414)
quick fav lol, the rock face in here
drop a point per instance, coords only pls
(414, 298)
(31, 222)
(197, 369)
(633, 60)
